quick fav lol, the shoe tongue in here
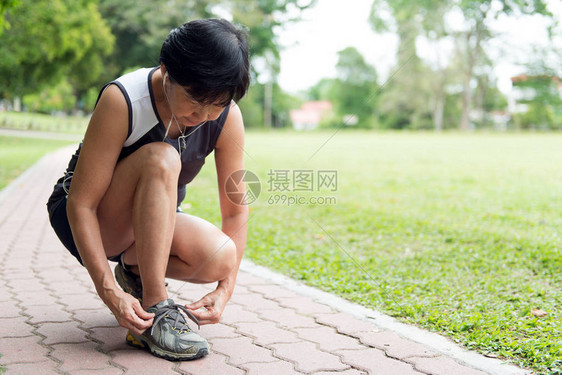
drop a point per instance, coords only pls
(173, 313)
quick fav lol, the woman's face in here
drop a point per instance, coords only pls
(188, 111)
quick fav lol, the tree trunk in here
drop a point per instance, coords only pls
(439, 82)
(17, 104)
(466, 104)
(268, 99)
(472, 54)
(438, 112)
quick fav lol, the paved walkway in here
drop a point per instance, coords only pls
(52, 322)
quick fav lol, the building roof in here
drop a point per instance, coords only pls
(311, 112)
(524, 77)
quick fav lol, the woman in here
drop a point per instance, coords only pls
(148, 137)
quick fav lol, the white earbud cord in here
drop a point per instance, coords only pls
(182, 144)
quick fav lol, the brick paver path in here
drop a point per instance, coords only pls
(52, 321)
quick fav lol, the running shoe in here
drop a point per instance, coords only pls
(170, 336)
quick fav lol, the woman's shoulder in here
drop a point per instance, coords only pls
(136, 84)
(233, 118)
(234, 126)
(136, 75)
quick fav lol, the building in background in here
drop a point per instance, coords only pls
(310, 114)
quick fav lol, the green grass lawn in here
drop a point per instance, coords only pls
(456, 233)
(18, 154)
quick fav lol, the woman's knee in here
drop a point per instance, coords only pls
(160, 160)
(222, 263)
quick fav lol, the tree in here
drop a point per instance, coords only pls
(49, 39)
(411, 19)
(58, 97)
(353, 93)
(356, 88)
(472, 39)
(5, 5)
(322, 90)
(407, 97)
(263, 18)
(540, 87)
(543, 100)
(252, 106)
(141, 26)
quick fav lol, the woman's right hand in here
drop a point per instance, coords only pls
(129, 312)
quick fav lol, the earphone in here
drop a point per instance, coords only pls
(164, 80)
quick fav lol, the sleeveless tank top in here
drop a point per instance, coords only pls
(145, 126)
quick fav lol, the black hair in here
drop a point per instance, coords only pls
(210, 58)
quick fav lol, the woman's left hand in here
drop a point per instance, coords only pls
(214, 304)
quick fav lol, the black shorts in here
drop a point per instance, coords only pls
(59, 222)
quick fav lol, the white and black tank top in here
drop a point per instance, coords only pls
(145, 126)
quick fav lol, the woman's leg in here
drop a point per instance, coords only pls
(200, 253)
(139, 208)
(138, 217)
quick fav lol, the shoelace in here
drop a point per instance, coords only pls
(174, 311)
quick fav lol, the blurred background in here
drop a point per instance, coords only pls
(383, 64)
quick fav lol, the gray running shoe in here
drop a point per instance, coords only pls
(128, 281)
(170, 337)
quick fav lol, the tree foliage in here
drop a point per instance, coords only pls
(72, 41)
(49, 39)
(408, 95)
(264, 18)
(543, 101)
(5, 5)
(355, 88)
(411, 19)
(472, 39)
(51, 45)
(58, 97)
(140, 27)
(354, 93)
(252, 106)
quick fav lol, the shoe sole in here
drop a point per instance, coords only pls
(141, 343)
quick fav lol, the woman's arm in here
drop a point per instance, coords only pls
(229, 157)
(102, 144)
